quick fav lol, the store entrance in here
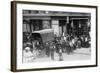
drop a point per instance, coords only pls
(62, 26)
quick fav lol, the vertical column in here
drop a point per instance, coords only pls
(55, 27)
(24, 26)
(67, 22)
(31, 25)
(60, 30)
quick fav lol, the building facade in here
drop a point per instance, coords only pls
(67, 23)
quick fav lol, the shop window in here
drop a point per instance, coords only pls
(46, 24)
(36, 25)
(26, 26)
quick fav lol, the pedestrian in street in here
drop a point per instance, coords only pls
(60, 53)
(28, 55)
(47, 47)
(52, 48)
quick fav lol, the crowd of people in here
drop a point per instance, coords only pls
(63, 44)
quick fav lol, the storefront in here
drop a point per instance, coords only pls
(75, 24)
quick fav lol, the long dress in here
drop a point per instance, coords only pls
(27, 55)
